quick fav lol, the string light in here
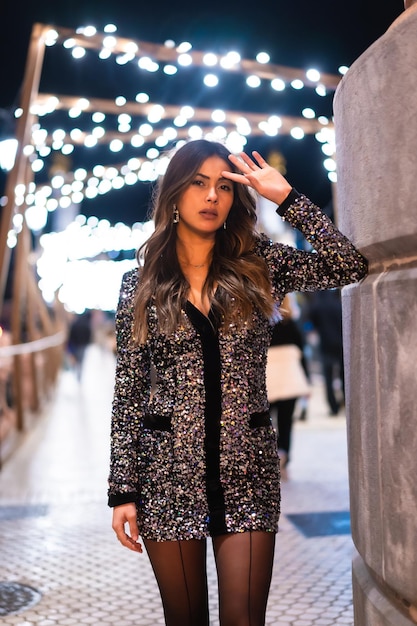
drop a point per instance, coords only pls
(156, 129)
(211, 80)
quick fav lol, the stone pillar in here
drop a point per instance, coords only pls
(376, 144)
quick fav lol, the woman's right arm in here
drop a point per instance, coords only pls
(131, 394)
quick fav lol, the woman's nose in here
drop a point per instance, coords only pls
(212, 194)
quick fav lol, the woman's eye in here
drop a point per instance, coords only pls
(226, 188)
(197, 181)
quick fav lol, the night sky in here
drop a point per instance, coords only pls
(296, 33)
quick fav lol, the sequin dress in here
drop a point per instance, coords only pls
(192, 442)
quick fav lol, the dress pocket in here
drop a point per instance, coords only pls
(257, 420)
(155, 470)
(157, 422)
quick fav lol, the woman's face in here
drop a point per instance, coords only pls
(206, 202)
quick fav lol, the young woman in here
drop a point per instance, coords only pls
(194, 454)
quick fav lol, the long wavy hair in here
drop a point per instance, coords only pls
(240, 274)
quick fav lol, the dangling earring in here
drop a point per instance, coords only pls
(224, 225)
(175, 214)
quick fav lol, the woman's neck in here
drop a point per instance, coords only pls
(196, 254)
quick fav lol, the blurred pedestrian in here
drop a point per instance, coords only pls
(79, 337)
(287, 377)
(325, 314)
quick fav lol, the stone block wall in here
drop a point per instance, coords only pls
(376, 141)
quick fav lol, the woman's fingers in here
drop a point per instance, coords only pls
(133, 530)
(246, 164)
(237, 162)
(243, 162)
(258, 174)
(248, 161)
(261, 161)
(128, 542)
(237, 178)
(122, 515)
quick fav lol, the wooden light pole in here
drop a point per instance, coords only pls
(18, 174)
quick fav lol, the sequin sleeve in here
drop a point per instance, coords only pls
(333, 261)
(131, 393)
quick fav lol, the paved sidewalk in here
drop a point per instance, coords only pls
(58, 555)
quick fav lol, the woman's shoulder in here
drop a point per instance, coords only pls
(130, 280)
(128, 287)
(262, 242)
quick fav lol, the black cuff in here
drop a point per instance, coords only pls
(122, 498)
(292, 196)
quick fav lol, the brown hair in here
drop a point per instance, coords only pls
(241, 275)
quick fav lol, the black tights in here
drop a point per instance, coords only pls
(244, 570)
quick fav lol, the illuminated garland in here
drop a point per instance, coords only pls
(147, 125)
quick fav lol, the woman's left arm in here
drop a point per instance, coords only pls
(334, 260)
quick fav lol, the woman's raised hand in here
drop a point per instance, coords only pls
(259, 175)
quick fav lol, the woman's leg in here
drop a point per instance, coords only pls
(244, 570)
(180, 571)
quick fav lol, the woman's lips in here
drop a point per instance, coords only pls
(209, 213)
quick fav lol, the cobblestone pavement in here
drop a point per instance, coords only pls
(56, 542)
